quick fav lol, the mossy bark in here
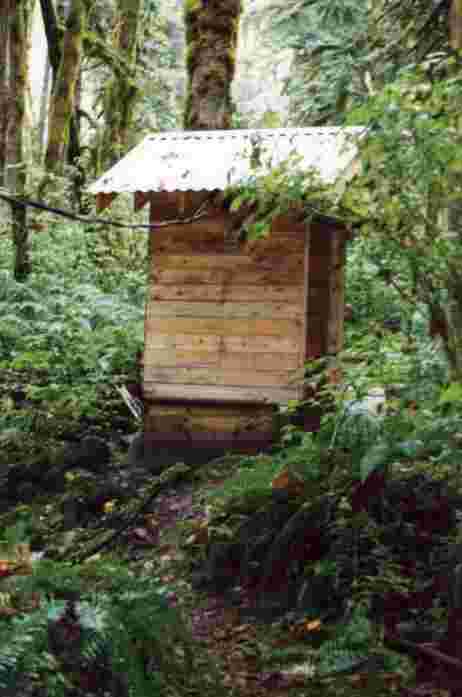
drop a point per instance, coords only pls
(212, 28)
(122, 91)
(53, 35)
(63, 97)
(455, 24)
(16, 152)
(6, 17)
(453, 311)
(44, 100)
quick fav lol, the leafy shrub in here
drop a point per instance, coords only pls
(251, 480)
(75, 324)
(350, 644)
(125, 623)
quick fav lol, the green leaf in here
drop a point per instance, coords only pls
(452, 394)
(375, 458)
(237, 203)
(409, 448)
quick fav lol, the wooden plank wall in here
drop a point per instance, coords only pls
(325, 290)
(228, 330)
(197, 428)
(224, 325)
(325, 305)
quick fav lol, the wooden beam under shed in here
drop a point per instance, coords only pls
(141, 199)
(103, 201)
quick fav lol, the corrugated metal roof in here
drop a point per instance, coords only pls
(198, 160)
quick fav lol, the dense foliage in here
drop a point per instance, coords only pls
(73, 328)
(98, 628)
(71, 333)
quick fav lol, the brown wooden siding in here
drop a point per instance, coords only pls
(319, 289)
(228, 321)
(196, 430)
(229, 328)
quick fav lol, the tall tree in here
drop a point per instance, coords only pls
(122, 91)
(212, 28)
(454, 304)
(6, 19)
(44, 101)
(16, 156)
(53, 35)
(64, 88)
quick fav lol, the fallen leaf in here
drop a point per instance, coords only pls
(151, 522)
(5, 567)
(142, 536)
(313, 626)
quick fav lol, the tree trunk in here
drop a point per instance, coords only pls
(44, 101)
(212, 28)
(455, 328)
(6, 14)
(19, 44)
(455, 24)
(53, 36)
(453, 310)
(29, 112)
(122, 91)
(74, 152)
(62, 99)
(63, 8)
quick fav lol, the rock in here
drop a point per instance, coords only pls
(71, 513)
(222, 566)
(55, 480)
(316, 595)
(139, 455)
(151, 458)
(26, 477)
(78, 510)
(26, 492)
(418, 633)
(393, 324)
(92, 454)
(256, 535)
(280, 496)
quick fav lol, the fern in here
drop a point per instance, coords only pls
(23, 642)
(349, 647)
(127, 628)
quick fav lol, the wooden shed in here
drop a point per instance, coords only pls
(229, 325)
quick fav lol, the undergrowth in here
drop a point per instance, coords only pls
(69, 334)
(123, 623)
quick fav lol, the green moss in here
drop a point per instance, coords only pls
(231, 55)
(191, 55)
(191, 6)
(187, 109)
(205, 29)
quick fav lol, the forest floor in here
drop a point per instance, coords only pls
(255, 657)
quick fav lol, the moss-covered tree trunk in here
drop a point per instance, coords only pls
(6, 18)
(16, 154)
(212, 28)
(122, 91)
(453, 310)
(44, 101)
(64, 90)
(53, 36)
